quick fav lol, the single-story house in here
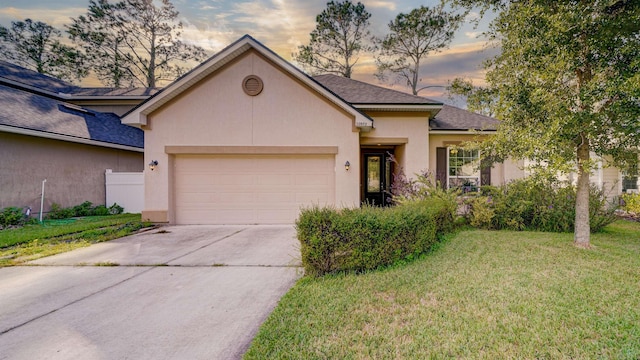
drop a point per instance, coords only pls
(46, 135)
(248, 138)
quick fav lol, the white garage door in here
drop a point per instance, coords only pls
(250, 189)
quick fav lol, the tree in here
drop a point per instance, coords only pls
(102, 43)
(134, 41)
(479, 99)
(567, 84)
(341, 34)
(35, 45)
(413, 37)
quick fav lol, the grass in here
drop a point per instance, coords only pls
(480, 295)
(56, 236)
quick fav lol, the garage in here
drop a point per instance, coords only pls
(250, 189)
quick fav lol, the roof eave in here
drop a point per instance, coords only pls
(399, 107)
(461, 131)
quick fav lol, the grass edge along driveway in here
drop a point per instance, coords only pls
(480, 295)
(31, 242)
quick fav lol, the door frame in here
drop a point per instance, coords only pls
(386, 177)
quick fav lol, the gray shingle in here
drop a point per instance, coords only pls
(358, 92)
(26, 110)
(453, 118)
(33, 78)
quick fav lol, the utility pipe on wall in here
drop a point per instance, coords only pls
(42, 199)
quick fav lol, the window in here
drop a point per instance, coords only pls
(464, 169)
(630, 176)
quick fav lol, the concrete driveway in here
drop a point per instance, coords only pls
(178, 292)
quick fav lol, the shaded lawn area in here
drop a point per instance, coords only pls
(56, 236)
(479, 295)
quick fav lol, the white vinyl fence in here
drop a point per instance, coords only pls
(125, 189)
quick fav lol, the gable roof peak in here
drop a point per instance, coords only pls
(138, 115)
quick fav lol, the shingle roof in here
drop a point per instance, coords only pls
(33, 78)
(453, 118)
(115, 91)
(50, 84)
(26, 110)
(358, 92)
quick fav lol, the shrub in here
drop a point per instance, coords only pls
(425, 188)
(11, 216)
(115, 209)
(361, 239)
(537, 204)
(57, 212)
(631, 203)
(84, 209)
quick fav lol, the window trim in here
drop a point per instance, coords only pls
(477, 175)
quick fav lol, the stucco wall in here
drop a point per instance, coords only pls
(75, 172)
(217, 112)
(414, 127)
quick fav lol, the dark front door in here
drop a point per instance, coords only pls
(377, 179)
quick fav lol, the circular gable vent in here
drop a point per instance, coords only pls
(252, 85)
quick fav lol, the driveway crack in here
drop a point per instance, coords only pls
(205, 246)
(74, 302)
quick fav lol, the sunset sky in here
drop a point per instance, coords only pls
(283, 25)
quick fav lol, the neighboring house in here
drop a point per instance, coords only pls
(248, 138)
(45, 134)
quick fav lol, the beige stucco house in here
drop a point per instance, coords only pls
(247, 138)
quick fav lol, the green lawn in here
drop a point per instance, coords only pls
(55, 236)
(480, 295)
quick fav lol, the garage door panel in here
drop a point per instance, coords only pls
(248, 189)
(278, 180)
(275, 198)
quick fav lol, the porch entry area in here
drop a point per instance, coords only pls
(377, 175)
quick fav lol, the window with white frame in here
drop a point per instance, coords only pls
(463, 169)
(630, 176)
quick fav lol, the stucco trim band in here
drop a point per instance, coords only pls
(250, 150)
(383, 140)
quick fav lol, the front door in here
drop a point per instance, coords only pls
(377, 179)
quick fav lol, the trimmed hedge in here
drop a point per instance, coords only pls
(366, 238)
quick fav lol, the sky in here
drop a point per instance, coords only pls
(283, 25)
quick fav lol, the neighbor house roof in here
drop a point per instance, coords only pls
(18, 76)
(371, 97)
(456, 119)
(14, 73)
(138, 116)
(28, 113)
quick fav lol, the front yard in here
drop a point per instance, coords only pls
(56, 236)
(480, 294)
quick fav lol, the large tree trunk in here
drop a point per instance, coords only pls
(582, 232)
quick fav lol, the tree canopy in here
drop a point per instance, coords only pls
(479, 99)
(567, 84)
(36, 45)
(412, 38)
(133, 41)
(341, 34)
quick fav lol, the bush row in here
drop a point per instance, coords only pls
(366, 238)
(535, 204)
(13, 216)
(84, 209)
